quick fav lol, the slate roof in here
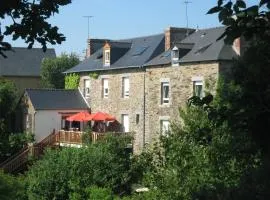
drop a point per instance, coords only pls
(56, 99)
(123, 56)
(23, 61)
(202, 45)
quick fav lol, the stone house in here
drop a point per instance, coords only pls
(143, 81)
(190, 67)
(23, 66)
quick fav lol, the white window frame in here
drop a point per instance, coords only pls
(86, 89)
(107, 58)
(125, 87)
(105, 87)
(125, 122)
(165, 100)
(164, 126)
(197, 83)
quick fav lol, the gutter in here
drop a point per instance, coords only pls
(103, 69)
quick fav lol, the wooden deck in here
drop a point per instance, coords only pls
(73, 138)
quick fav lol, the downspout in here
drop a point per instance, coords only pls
(34, 123)
(144, 102)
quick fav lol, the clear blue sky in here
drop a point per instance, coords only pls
(118, 19)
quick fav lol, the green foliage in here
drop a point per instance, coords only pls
(52, 70)
(97, 193)
(29, 21)
(8, 98)
(57, 176)
(72, 81)
(11, 143)
(10, 187)
(94, 75)
(244, 21)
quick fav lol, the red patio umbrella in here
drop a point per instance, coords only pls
(101, 116)
(80, 117)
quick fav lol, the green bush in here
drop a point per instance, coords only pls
(66, 173)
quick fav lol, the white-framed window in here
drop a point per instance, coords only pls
(107, 58)
(125, 87)
(165, 92)
(198, 88)
(105, 87)
(125, 122)
(86, 89)
(164, 126)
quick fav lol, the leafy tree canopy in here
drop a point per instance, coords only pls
(253, 21)
(30, 22)
(52, 70)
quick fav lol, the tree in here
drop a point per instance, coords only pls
(8, 97)
(30, 22)
(77, 173)
(52, 70)
(249, 22)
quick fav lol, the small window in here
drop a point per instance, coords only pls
(86, 88)
(198, 88)
(125, 87)
(165, 89)
(107, 59)
(125, 123)
(137, 118)
(164, 126)
(105, 85)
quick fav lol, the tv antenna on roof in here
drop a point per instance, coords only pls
(88, 18)
(187, 2)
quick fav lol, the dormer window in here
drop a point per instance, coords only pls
(107, 55)
(175, 56)
(107, 59)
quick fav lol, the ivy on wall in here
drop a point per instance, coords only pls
(72, 81)
(94, 75)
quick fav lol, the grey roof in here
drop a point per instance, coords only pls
(56, 99)
(207, 47)
(23, 61)
(123, 55)
(203, 46)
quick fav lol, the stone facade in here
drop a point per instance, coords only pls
(180, 80)
(115, 103)
(144, 101)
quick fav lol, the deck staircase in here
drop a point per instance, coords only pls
(19, 161)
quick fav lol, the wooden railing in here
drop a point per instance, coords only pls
(62, 137)
(69, 137)
(21, 158)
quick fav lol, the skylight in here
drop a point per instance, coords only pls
(138, 51)
(166, 54)
(202, 49)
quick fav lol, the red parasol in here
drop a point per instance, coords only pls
(81, 116)
(101, 116)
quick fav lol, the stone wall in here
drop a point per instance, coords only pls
(181, 88)
(115, 104)
(145, 86)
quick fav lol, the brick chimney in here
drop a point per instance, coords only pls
(240, 45)
(174, 35)
(93, 45)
